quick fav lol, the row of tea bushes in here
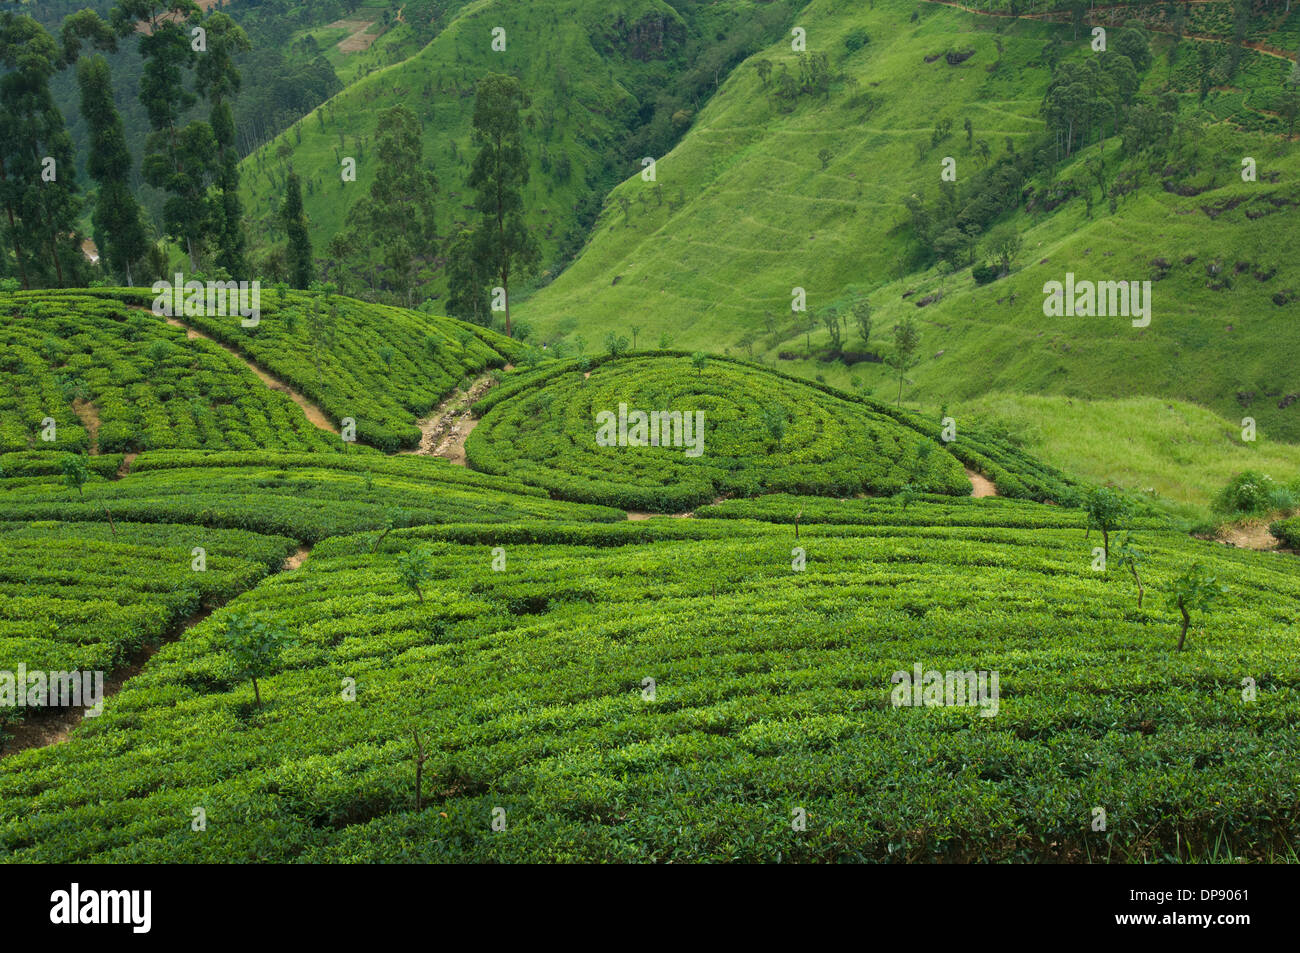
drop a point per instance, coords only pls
(762, 433)
(143, 383)
(300, 501)
(384, 367)
(684, 700)
(84, 596)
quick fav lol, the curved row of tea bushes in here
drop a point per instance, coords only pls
(83, 596)
(770, 694)
(929, 510)
(763, 433)
(1016, 473)
(384, 367)
(304, 502)
(148, 385)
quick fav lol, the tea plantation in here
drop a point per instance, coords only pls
(589, 687)
(771, 692)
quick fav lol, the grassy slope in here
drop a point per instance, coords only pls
(1178, 450)
(760, 217)
(580, 106)
(759, 214)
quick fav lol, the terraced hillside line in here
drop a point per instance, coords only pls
(443, 433)
(359, 41)
(1062, 17)
(314, 414)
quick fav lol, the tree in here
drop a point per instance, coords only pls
(75, 473)
(1003, 245)
(38, 175)
(218, 80)
(254, 646)
(498, 174)
(907, 342)
(413, 569)
(824, 156)
(764, 68)
(831, 319)
(699, 360)
(467, 296)
(301, 267)
(1194, 591)
(1130, 557)
(1105, 510)
(861, 311)
(119, 231)
(774, 420)
(178, 161)
(397, 220)
(615, 344)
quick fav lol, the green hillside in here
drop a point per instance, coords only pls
(607, 81)
(151, 382)
(628, 700)
(797, 520)
(758, 215)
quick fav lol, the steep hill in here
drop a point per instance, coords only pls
(610, 83)
(755, 208)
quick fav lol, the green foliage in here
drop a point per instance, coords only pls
(1105, 509)
(304, 496)
(302, 268)
(84, 596)
(502, 241)
(413, 570)
(765, 678)
(75, 474)
(394, 226)
(38, 188)
(835, 445)
(1194, 591)
(1252, 493)
(254, 646)
(150, 386)
(907, 341)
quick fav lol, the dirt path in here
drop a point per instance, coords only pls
(314, 414)
(88, 414)
(297, 559)
(443, 432)
(53, 726)
(1250, 535)
(980, 486)
(125, 468)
